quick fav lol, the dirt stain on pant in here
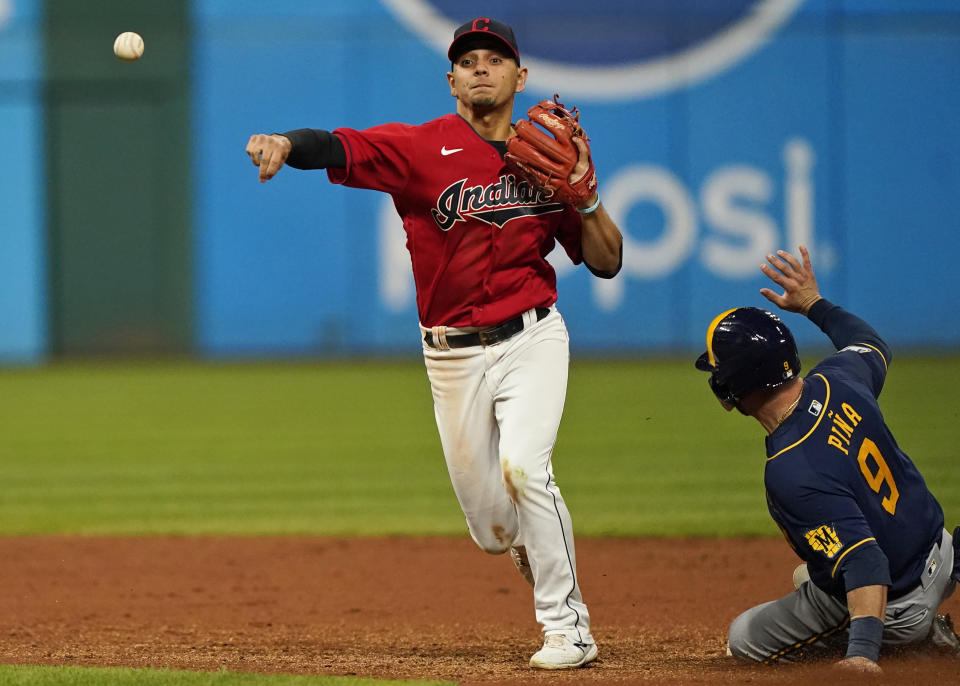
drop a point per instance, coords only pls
(514, 480)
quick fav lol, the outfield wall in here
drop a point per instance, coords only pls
(23, 299)
(719, 135)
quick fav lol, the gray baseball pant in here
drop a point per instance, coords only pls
(810, 623)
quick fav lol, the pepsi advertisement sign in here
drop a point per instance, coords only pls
(721, 132)
(615, 52)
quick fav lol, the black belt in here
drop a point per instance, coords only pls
(494, 334)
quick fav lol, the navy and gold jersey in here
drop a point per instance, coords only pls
(847, 498)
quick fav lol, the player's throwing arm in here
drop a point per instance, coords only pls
(269, 152)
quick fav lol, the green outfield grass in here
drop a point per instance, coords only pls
(351, 448)
(84, 676)
(662, 457)
(344, 448)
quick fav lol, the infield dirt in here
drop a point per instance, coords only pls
(429, 608)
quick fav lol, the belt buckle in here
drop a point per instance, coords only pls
(487, 336)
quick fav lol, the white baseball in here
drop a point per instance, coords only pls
(800, 576)
(128, 46)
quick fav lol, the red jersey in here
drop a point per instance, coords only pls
(478, 238)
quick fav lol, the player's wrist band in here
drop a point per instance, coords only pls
(866, 634)
(592, 207)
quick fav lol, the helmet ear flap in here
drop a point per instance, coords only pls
(723, 393)
(719, 388)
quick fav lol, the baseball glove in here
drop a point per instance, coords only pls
(546, 161)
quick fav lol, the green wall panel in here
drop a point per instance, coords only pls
(119, 172)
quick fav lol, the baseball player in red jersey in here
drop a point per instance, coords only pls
(495, 347)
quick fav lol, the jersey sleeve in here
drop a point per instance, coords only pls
(569, 233)
(378, 158)
(861, 350)
(314, 149)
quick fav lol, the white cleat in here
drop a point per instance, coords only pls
(519, 556)
(560, 652)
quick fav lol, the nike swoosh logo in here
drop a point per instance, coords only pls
(445, 152)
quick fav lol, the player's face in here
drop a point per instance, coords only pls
(486, 78)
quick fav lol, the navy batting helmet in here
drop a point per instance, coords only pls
(748, 349)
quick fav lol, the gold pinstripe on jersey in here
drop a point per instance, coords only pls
(877, 350)
(813, 428)
(833, 572)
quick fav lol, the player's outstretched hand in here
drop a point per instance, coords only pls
(858, 665)
(799, 284)
(269, 152)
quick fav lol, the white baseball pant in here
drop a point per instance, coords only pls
(498, 408)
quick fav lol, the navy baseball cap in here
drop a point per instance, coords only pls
(483, 27)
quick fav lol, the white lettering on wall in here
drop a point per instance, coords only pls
(743, 233)
(396, 277)
(651, 259)
(798, 159)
